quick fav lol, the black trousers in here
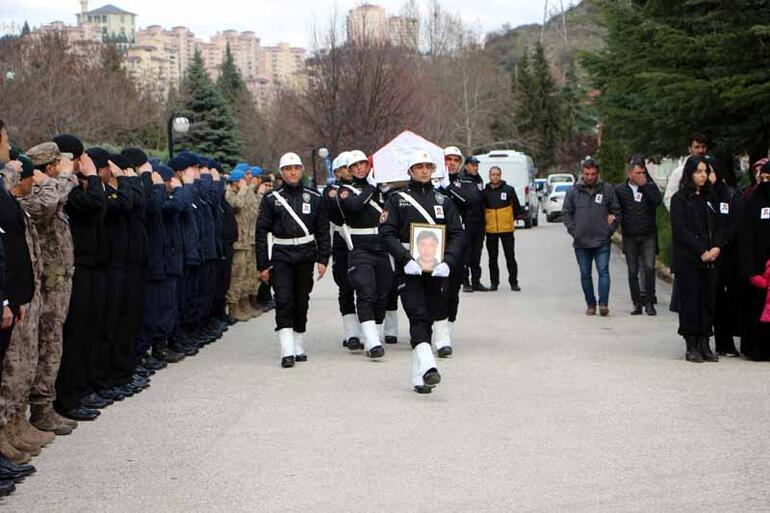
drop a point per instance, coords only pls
(124, 352)
(187, 294)
(450, 299)
(292, 284)
(153, 309)
(422, 297)
(371, 276)
(346, 295)
(206, 287)
(730, 302)
(640, 259)
(101, 375)
(474, 243)
(695, 302)
(392, 303)
(509, 250)
(82, 334)
(223, 278)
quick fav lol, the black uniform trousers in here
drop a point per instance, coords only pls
(346, 296)
(206, 288)
(509, 250)
(474, 238)
(82, 333)
(187, 294)
(101, 374)
(371, 276)
(450, 300)
(392, 303)
(292, 284)
(152, 315)
(422, 297)
(129, 323)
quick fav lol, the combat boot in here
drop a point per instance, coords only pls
(31, 433)
(248, 309)
(161, 351)
(237, 313)
(44, 418)
(692, 353)
(10, 451)
(18, 441)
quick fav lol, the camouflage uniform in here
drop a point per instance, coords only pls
(244, 273)
(20, 363)
(58, 267)
(253, 274)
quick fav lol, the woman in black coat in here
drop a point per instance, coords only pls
(697, 235)
(755, 254)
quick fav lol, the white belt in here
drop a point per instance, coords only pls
(297, 241)
(364, 231)
(336, 228)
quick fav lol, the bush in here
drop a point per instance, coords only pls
(664, 236)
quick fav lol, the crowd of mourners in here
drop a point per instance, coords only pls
(112, 266)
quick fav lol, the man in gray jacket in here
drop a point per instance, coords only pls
(592, 214)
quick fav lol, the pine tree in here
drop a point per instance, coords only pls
(25, 30)
(673, 68)
(230, 82)
(212, 131)
(545, 109)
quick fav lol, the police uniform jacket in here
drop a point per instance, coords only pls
(205, 217)
(137, 233)
(274, 218)
(399, 214)
(156, 230)
(19, 285)
(360, 214)
(85, 209)
(334, 213)
(189, 224)
(119, 207)
(174, 205)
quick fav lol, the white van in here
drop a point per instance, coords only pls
(519, 172)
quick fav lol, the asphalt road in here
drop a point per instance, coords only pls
(540, 409)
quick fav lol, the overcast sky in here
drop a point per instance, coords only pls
(272, 21)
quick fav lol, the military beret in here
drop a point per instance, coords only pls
(120, 161)
(14, 152)
(165, 172)
(69, 144)
(235, 175)
(180, 163)
(100, 156)
(193, 158)
(27, 166)
(44, 153)
(155, 163)
(135, 156)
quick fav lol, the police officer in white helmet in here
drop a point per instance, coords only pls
(421, 290)
(296, 218)
(340, 248)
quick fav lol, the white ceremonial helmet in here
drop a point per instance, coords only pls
(453, 150)
(290, 159)
(421, 157)
(356, 156)
(340, 161)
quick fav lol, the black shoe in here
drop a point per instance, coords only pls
(478, 287)
(431, 377)
(354, 344)
(153, 364)
(112, 395)
(515, 287)
(376, 352)
(344, 343)
(423, 389)
(287, 361)
(127, 390)
(141, 371)
(493, 287)
(95, 402)
(650, 308)
(637, 309)
(139, 382)
(391, 340)
(705, 350)
(300, 357)
(445, 352)
(7, 488)
(20, 471)
(466, 288)
(693, 352)
(81, 414)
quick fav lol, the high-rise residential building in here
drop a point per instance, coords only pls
(404, 31)
(86, 33)
(244, 47)
(283, 65)
(116, 25)
(367, 23)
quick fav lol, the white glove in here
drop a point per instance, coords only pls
(441, 271)
(412, 268)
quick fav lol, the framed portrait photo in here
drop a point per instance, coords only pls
(427, 245)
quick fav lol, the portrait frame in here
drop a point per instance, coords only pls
(437, 234)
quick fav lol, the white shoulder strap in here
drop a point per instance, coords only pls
(419, 208)
(291, 212)
(371, 203)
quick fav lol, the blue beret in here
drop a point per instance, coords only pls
(236, 175)
(165, 172)
(180, 162)
(241, 166)
(256, 170)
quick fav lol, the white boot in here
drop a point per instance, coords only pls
(424, 369)
(350, 327)
(391, 326)
(372, 344)
(299, 348)
(381, 333)
(286, 339)
(442, 338)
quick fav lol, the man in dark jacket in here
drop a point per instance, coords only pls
(501, 208)
(592, 214)
(474, 225)
(639, 197)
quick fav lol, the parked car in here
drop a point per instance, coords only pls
(519, 172)
(555, 202)
(558, 178)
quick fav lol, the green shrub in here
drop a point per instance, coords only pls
(664, 236)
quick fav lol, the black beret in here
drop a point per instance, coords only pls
(27, 166)
(69, 144)
(120, 161)
(100, 156)
(165, 172)
(135, 156)
(14, 152)
(180, 163)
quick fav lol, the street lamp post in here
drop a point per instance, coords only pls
(323, 153)
(176, 124)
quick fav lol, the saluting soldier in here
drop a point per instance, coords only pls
(369, 266)
(340, 240)
(422, 293)
(296, 218)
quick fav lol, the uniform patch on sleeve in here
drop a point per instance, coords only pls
(333, 193)
(383, 216)
(344, 194)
